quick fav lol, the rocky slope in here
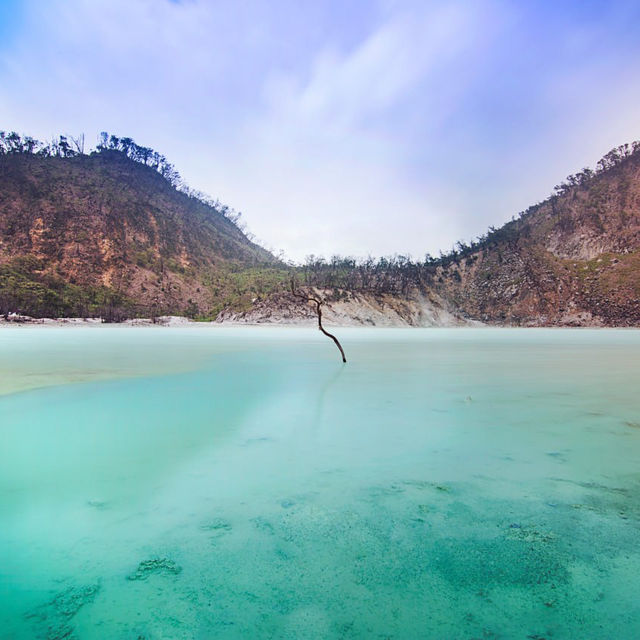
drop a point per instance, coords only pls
(572, 260)
(100, 229)
(105, 234)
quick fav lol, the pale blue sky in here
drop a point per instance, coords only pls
(337, 127)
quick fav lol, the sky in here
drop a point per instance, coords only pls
(338, 127)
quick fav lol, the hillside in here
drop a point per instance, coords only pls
(104, 234)
(572, 260)
(115, 233)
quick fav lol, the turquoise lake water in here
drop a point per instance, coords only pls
(243, 483)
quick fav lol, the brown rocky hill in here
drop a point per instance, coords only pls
(86, 233)
(571, 260)
(108, 233)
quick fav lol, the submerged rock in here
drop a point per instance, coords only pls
(262, 524)
(59, 611)
(158, 565)
(100, 505)
(70, 601)
(217, 526)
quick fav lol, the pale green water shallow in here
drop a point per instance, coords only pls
(477, 483)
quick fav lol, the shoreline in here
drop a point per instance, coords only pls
(172, 322)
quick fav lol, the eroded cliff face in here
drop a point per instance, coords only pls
(344, 308)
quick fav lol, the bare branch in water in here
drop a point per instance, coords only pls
(318, 304)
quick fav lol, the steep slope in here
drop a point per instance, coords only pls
(413, 308)
(89, 231)
(572, 260)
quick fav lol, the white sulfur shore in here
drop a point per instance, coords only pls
(15, 320)
(349, 310)
(333, 319)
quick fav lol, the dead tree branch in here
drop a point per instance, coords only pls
(318, 304)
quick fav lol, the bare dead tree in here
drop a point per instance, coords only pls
(78, 143)
(318, 304)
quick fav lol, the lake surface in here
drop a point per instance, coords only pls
(243, 483)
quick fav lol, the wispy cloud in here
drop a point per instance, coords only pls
(338, 127)
(325, 166)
